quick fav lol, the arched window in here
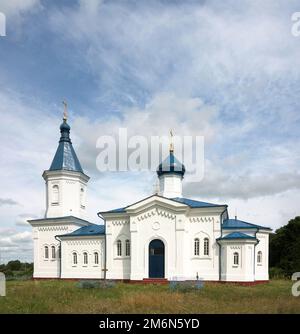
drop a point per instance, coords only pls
(74, 258)
(127, 247)
(196, 247)
(85, 258)
(53, 255)
(82, 198)
(46, 252)
(259, 257)
(206, 246)
(119, 248)
(55, 194)
(96, 258)
(236, 258)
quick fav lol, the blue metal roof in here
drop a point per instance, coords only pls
(237, 235)
(90, 230)
(63, 218)
(239, 224)
(189, 202)
(65, 157)
(193, 203)
(170, 165)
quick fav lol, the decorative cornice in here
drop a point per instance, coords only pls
(52, 228)
(119, 222)
(84, 242)
(199, 219)
(156, 212)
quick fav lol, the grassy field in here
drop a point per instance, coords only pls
(65, 297)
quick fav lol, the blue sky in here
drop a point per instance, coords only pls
(227, 71)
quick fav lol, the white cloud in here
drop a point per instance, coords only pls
(7, 201)
(15, 245)
(201, 69)
(22, 219)
(16, 8)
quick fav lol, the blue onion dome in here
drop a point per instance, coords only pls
(171, 166)
(65, 131)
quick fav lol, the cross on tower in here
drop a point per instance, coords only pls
(65, 110)
(171, 141)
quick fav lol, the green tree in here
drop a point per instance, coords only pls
(285, 247)
(14, 265)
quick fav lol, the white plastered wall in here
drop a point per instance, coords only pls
(81, 245)
(44, 235)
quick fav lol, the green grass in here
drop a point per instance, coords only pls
(51, 296)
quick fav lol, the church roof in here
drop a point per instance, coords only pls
(237, 235)
(193, 203)
(170, 165)
(239, 224)
(65, 157)
(90, 230)
(189, 202)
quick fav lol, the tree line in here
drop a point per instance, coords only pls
(284, 257)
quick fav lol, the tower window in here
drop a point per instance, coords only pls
(46, 252)
(53, 252)
(127, 247)
(85, 258)
(119, 248)
(55, 194)
(75, 258)
(259, 257)
(236, 259)
(82, 198)
(206, 246)
(196, 247)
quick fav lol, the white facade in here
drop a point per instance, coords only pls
(65, 193)
(162, 236)
(170, 186)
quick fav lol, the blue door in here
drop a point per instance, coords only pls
(156, 259)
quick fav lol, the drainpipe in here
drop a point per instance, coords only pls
(59, 254)
(254, 254)
(221, 218)
(105, 261)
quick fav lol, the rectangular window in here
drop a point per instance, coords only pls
(127, 250)
(119, 248)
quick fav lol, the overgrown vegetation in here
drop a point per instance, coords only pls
(285, 250)
(56, 296)
(17, 270)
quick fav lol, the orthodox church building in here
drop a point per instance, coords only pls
(164, 236)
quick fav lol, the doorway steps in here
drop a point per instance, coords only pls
(155, 280)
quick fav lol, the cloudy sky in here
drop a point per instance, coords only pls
(225, 70)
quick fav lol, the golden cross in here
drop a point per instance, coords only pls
(65, 110)
(171, 141)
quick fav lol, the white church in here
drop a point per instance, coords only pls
(162, 237)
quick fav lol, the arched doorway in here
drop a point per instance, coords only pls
(156, 259)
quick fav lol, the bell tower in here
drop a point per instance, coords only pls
(66, 183)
